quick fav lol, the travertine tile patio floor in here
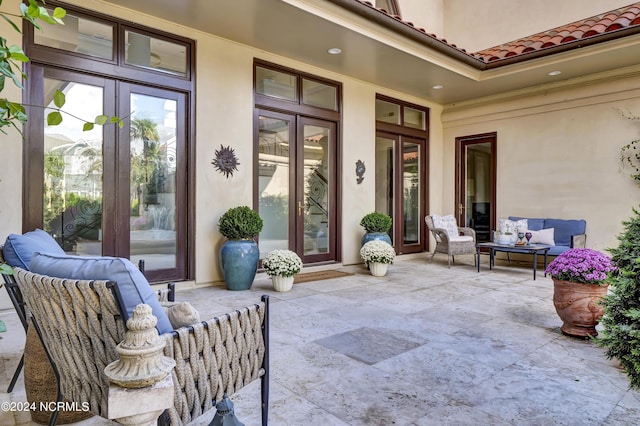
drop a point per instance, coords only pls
(424, 345)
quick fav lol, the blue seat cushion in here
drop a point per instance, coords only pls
(134, 287)
(565, 228)
(19, 249)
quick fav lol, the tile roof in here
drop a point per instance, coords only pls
(574, 33)
(606, 26)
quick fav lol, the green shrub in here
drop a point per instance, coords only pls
(376, 222)
(240, 223)
(621, 320)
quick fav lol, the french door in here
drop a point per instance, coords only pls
(297, 185)
(476, 183)
(110, 191)
(401, 188)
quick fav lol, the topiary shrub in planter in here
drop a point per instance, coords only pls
(621, 320)
(376, 226)
(240, 223)
(239, 255)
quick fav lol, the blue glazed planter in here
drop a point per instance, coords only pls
(239, 260)
(370, 236)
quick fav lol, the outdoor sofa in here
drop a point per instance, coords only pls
(566, 234)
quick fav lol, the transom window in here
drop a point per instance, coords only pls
(290, 86)
(93, 37)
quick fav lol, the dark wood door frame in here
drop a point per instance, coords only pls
(461, 173)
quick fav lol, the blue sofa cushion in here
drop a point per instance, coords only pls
(134, 287)
(565, 228)
(535, 224)
(19, 249)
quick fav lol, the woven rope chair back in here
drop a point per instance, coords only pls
(81, 324)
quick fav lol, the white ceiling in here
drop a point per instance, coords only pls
(305, 29)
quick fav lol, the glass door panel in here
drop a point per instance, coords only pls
(385, 182)
(316, 189)
(274, 180)
(73, 170)
(411, 193)
(400, 190)
(476, 184)
(152, 181)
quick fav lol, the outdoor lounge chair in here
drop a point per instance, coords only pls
(451, 239)
(164, 295)
(80, 322)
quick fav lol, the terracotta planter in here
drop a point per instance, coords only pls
(578, 306)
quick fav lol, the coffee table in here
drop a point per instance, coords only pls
(533, 249)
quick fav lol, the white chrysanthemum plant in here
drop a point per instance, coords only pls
(377, 251)
(284, 263)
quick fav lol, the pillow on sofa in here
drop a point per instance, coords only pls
(134, 287)
(543, 236)
(513, 226)
(535, 223)
(19, 249)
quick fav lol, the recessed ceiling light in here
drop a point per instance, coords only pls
(552, 73)
(437, 86)
(334, 51)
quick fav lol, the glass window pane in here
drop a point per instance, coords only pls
(73, 170)
(153, 181)
(273, 184)
(276, 83)
(78, 35)
(387, 112)
(414, 118)
(319, 94)
(152, 53)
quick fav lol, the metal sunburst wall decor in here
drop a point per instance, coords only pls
(225, 161)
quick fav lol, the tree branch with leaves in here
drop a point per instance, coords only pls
(12, 58)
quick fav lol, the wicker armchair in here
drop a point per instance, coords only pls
(80, 323)
(463, 243)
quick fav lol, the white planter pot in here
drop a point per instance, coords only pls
(378, 269)
(282, 283)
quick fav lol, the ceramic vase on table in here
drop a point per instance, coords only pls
(281, 283)
(378, 269)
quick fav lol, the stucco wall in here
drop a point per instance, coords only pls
(10, 173)
(224, 115)
(558, 154)
(428, 14)
(476, 25)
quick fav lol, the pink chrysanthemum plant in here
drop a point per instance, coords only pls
(581, 265)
